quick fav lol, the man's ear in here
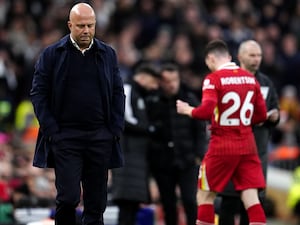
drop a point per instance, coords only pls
(69, 24)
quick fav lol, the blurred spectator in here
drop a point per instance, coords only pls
(5, 175)
(285, 154)
(271, 63)
(184, 56)
(289, 103)
(130, 183)
(127, 53)
(8, 85)
(214, 31)
(149, 22)
(159, 49)
(169, 14)
(290, 57)
(260, 34)
(124, 13)
(103, 10)
(26, 124)
(32, 187)
(290, 114)
(273, 32)
(176, 149)
(17, 34)
(222, 14)
(295, 20)
(236, 33)
(4, 6)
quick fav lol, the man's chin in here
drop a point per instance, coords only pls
(85, 43)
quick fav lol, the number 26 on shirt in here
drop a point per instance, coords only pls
(245, 112)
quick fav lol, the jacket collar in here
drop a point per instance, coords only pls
(63, 43)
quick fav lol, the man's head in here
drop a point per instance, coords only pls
(82, 23)
(250, 55)
(147, 77)
(170, 79)
(216, 53)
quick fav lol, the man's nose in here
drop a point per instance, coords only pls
(85, 29)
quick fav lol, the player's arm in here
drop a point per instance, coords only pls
(208, 103)
(203, 111)
(260, 109)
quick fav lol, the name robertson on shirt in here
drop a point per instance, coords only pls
(237, 80)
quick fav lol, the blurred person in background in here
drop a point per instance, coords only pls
(290, 111)
(250, 57)
(271, 64)
(26, 123)
(184, 56)
(177, 146)
(78, 98)
(128, 55)
(8, 86)
(130, 184)
(290, 57)
(286, 136)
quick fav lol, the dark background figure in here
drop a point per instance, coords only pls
(250, 56)
(130, 184)
(78, 98)
(8, 86)
(177, 147)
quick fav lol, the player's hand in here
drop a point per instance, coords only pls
(184, 108)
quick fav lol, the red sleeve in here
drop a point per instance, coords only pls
(260, 109)
(209, 100)
(205, 110)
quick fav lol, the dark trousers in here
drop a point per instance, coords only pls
(167, 181)
(230, 208)
(127, 212)
(81, 164)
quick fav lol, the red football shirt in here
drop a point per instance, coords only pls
(232, 100)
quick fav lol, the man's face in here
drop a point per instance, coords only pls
(82, 28)
(149, 82)
(170, 82)
(251, 58)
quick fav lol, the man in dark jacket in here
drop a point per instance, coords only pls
(79, 100)
(250, 56)
(130, 183)
(178, 143)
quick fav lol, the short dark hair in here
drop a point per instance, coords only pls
(216, 46)
(169, 67)
(147, 68)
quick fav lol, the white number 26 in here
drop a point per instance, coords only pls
(244, 117)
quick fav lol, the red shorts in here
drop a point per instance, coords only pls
(245, 171)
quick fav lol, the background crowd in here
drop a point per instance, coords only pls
(155, 31)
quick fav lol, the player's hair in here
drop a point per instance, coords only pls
(217, 47)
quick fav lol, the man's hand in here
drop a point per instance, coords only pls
(273, 115)
(184, 108)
